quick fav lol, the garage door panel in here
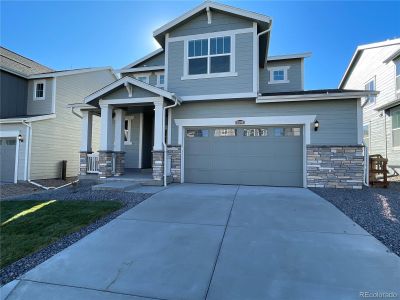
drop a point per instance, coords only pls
(249, 160)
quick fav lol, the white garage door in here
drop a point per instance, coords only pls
(7, 159)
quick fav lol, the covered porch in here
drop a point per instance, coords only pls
(133, 124)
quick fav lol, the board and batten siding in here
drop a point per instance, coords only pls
(295, 76)
(44, 106)
(371, 65)
(242, 83)
(13, 95)
(337, 118)
(59, 139)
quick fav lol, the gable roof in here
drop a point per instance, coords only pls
(144, 58)
(262, 20)
(358, 53)
(394, 56)
(68, 72)
(289, 56)
(133, 81)
(20, 65)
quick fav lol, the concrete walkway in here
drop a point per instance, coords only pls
(220, 242)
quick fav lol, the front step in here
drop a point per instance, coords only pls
(157, 182)
(116, 186)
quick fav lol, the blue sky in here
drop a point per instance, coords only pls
(78, 34)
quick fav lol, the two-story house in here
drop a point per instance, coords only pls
(212, 107)
(377, 67)
(37, 129)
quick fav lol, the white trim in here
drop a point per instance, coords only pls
(369, 133)
(144, 75)
(159, 74)
(9, 133)
(166, 61)
(210, 34)
(169, 133)
(54, 92)
(141, 69)
(140, 140)
(133, 81)
(144, 58)
(13, 134)
(35, 83)
(129, 100)
(27, 119)
(209, 15)
(69, 72)
(27, 142)
(289, 56)
(278, 68)
(311, 97)
(303, 120)
(359, 122)
(3, 68)
(130, 125)
(255, 59)
(219, 96)
(372, 79)
(214, 5)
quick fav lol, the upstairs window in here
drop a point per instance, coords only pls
(39, 89)
(396, 128)
(370, 86)
(278, 75)
(209, 56)
(397, 63)
(143, 78)
(160, 80)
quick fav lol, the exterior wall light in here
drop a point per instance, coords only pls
(20, 138)
(316, 125)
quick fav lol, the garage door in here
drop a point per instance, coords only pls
(7, 159)
(244, 155)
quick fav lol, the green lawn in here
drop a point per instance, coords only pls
(28, 226)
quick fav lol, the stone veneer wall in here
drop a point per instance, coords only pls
(105, 163)
(158, 165)
(119, 163)
(83, 162)
(175, 152)
(335, 166)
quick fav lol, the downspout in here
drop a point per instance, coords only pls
(258, 53)
(176, 103)
(75, 113)
(28, 152)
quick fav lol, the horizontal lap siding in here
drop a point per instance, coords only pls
(370, 64)
(238, 84)
(40, 107)
(157, 60)
(59, 139)
(337, 118)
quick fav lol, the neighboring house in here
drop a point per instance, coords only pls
(377, 67)
(37, 129)
(224, 111)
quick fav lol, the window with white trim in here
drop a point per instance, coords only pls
(366, 134)
(39, 89)
(278, 75)
(397, 64)
(209, 56)
(160, 80)
(396, 128)
(370, 86)
(143, 78)
(128, 130)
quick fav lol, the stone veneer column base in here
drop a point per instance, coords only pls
(119, 163)
(175, 152)
(158, 165)
(335, 166)
(105, 163)
(83, 162)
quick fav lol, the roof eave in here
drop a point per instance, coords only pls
(311, 97)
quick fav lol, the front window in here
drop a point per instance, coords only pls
(128, 131)
(143, 78)
(160, 80)
(225, 132)
(278, 75)
(370, 86)
(39, 90)
(208, 56)
(397, 62)
(366, 135)
(396, 128)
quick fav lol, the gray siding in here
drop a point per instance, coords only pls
(225, 85)
(157, 60)
(220, 22)
(13, 95)
(132, 150)
(152, 76)
(294, 76)
(40, 107)
(122, 93)
(338, 119)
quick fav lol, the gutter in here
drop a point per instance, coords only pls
(177, 102)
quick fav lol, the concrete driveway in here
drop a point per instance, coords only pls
(220, 242)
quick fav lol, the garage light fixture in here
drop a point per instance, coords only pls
(316, 125)
(20, 138)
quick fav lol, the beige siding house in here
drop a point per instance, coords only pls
(376, 66)
(42, 131)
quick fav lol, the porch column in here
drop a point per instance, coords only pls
(119, 141)
(106, 149)
(158, 154)
(86, 140)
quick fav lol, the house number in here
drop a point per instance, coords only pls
(240, 122)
